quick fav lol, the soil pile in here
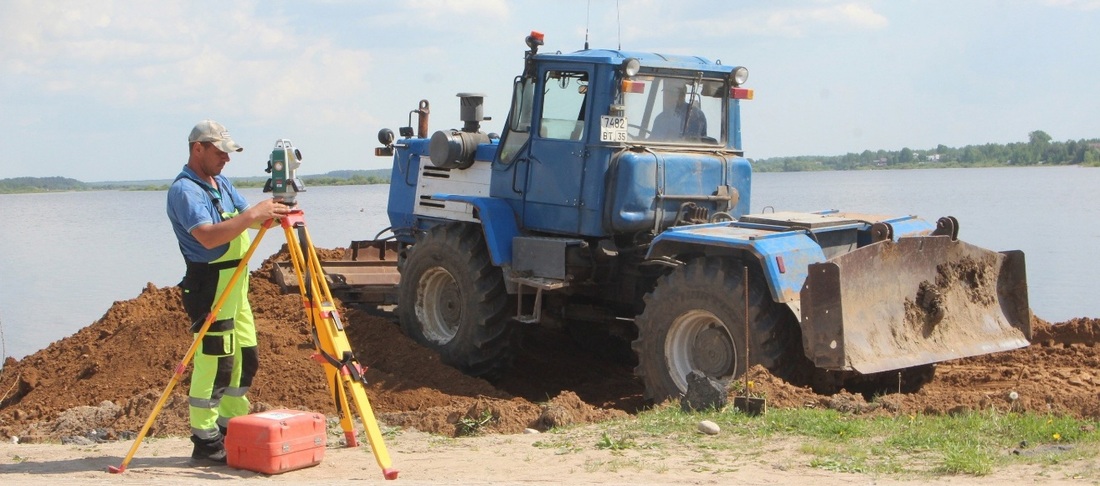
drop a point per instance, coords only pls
(106, 378)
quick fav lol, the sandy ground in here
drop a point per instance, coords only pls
(491, 460)
(494, 459)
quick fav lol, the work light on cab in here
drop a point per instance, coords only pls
(740, 75)
(631, 67)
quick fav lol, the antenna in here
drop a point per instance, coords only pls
(619, 21)
(587, 21)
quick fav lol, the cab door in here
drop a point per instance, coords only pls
(556, 159)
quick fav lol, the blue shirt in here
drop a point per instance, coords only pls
(190, 205)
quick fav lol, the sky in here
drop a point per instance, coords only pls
(100, 90)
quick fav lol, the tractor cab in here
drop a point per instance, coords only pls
(604, 142)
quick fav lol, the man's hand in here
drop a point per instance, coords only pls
(268, 209)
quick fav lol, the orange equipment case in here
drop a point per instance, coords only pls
(275, 441)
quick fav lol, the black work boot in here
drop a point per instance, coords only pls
(208, 451)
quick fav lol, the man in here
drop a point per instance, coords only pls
(669, 125)
(210, 220)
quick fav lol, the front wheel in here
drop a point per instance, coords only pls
(453, 300)
(694, 320)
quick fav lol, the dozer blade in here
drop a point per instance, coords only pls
(367, 275)
(892, 305)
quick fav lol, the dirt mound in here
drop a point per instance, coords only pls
(109, 375)
(112, 372)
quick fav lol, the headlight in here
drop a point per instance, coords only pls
(740, 75)
(385, 137)
(631, 67)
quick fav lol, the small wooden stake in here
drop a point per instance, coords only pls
(748, 404)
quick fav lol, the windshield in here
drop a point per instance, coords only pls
(681, 110)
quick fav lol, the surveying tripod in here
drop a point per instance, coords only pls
(342, 371)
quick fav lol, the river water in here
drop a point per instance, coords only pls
(65, 258)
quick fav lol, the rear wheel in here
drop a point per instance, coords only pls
(453, 300)
(694, 320)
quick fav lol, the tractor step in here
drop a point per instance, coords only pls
(539, 284)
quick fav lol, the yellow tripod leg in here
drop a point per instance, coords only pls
(180, 368)
(304, 274)
(308, 287)
(340, 401)
(335, 343)
(370, 425)
(342, 370)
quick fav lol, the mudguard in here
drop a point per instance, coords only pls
(783, 255)
(498, 221)
(919, 300)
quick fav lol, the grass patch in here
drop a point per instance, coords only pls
(907, 446)
(560, 443)
(615, 443)
(468, 426)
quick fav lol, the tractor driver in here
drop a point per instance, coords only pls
(210, 219)
(669, 125)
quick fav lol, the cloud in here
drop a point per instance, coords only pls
(449, 9)
(251, 58)
(797, 22)
(1074, 4)
(181, 55)
(763, 21)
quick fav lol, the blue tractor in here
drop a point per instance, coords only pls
(616, 198)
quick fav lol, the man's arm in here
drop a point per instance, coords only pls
(217, 234)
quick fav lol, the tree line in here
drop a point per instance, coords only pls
(19, 185)
(40, 184)
(1040, 149)
(335, 178)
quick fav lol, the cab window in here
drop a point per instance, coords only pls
(673, 109)
(519, 119)
(563, 105)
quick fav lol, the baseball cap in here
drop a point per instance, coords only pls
(214, 132)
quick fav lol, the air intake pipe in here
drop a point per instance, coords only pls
(454, 149)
